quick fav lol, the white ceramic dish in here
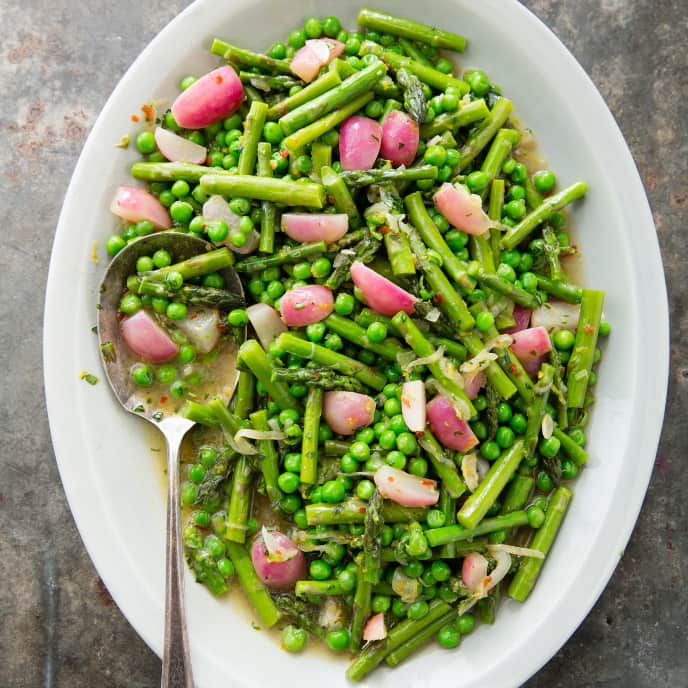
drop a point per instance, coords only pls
(114, 486)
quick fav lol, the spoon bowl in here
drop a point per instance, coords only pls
(176, 668)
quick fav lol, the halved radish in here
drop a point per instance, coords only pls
(522, 317)
(473, 383)
(213, 97)
(556, 315)
(400, 138)
(305, 227)
(147, 339)
(346, 412)
(450, 430)
(531, 344)
(317, 53)
(462, 209)
(278, 562)
(266, 322)
(380, 294)
(413, 405)
(201, 327)
(305, 305)
(134, 205)
(404, 488)
(474, 570)
(375, 628)
(178, 149)
(359, 143)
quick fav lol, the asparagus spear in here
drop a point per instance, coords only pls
(246, 58)
(337, 447)
(268, 218)
(172, 171)
(427, 75)
(443, 465)
(323, 378)
(321, 155)
(485, 495)
(514, 292)
(349, 330)
(343, 364)
(193, 294)
(304, 588)
(551, 205)
(361, 610)
(245, 395)
(561, 290)
(284, 256)
(516, 496)
(414, 98)
(252, 355)
(311, 425)
(499, 151)
(372, 543)
(298, 140)
(538, 408)
(412, 51)
(495, 375)
(253, 130)
(323, 83)
(340, 195)
(423, 636)
(351, 88)
(580, 363)
(422, 348)
(466, 114)
(524, 580)
(358, 178)
(257, 595)
(570, 448)
(270, 458)
(552, 251)
(447, 506)
(263, 189)
(354, 511)
(494, 212)
(414, 31)
(486, 131)
(456, 533)
(196, 266)
(264, 82)
(364, 251)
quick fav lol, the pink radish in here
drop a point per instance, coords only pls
(556, 315)
(147, 339)
(530, 344)
(346, 412)
(522, 318)
(201, 326)
(134, 205)
(380, 294)
(532, 366)
(217, 208)
(413, 405)
(404, 488)
(178, 149)
(462, 209)
(375, 628)
(278, 562)
(317, 53)
(474, 571)
(305, 305)
(213, 97)
(400, 137)
(359, 143)
(450, 430)
(473, 383)
(266, 322)
(305, 227)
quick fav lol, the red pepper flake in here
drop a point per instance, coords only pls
(428, 483)
(284, 153)
(163, 400)
(134, 118)
(219, 79)
(330, 200)
(514, 370)
(390, 478)
(148, 112)
(438, 298)
(361, 510)
(588, 329)
(384, 229)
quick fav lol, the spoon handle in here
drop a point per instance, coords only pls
(176, 662)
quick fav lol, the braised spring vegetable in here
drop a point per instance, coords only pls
(419, 368)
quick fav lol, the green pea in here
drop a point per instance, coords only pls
(115, 244)
(178, 389)
(388, 440)
(549, 447)
(321, 267)
(207, 456)
(312, 27)
(360, 451)
(142, 375)
(465, 623)
(435, 155)
(187, 353)
(293, 638)
(352, 46)
(180, 188)
(217, 230)
(450, 101)
(569, 469)
(536, 516)
(338, 640)
(188, 494)
(130, 303)
(519, 174)
(348, 464)
(417, 610)
(344, 304)
(290, 503)
(544, 482)
(297, 39)
(278, 51)
(398, 424)
(347, 579)
(478, 82)
(374, 109)
(176, 310)
(145, 142)
(181, 212)
(516, 210)
(435, 518)
(449, 637)
(406, 443)
(392, 407)
(332, 492)
(376, 333)
(564, 340)
(445, 66)
(484, 321)
(167, 374)
(544, 180)
(333, 342)
(456, 239)
(365, 489)
(319, 570)
(396, 459)
(506, 272)
(213, 279)
(316, 331)
(366, 435)
(418, 466)
(477, 181)
(505, 436)
(490, 450)
(605, 329)
(331, 26)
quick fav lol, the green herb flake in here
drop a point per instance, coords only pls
(91, 379)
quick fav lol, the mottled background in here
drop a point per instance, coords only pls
(59, 61)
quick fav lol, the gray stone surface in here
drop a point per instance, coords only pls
(58, 64)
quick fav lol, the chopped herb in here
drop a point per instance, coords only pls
(108, 351)
(157, 416)
(139, 409)
(124, 141)
(91, 379)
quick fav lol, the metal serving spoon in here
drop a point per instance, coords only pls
(176, 664)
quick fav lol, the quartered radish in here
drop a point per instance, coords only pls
(266, 322)
(529, 345)
(147, 339)
(522, 317)
(556, 315)
(346, 412)
(305, 305)
(462, 209)
(278, 562)
(380, 294)
(450, 430)
(134, 205)
(375, 628)
(213, 97)
(178, 149)
(474, 570)
(201, 326)
(306, 227)
(360, 139)
(413, 405)
(404, 488)
(317, 53)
